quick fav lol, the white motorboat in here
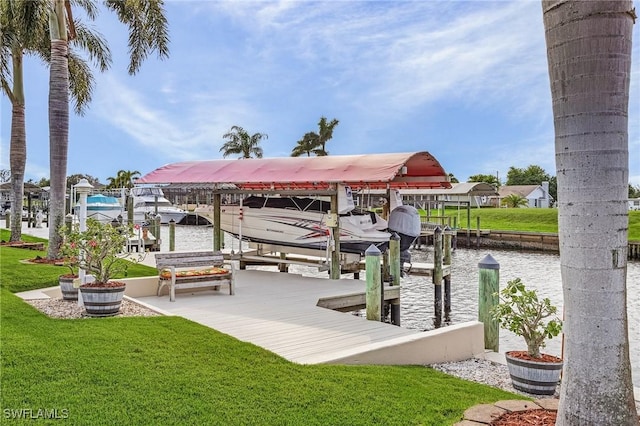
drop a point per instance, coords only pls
(103, 208)
(149, 200)
(303, 222)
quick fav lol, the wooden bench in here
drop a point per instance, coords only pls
(192, 270)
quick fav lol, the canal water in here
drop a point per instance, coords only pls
(540, 271)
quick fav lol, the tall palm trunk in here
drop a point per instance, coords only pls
(58, 124)
(589, 55)
(18, 145)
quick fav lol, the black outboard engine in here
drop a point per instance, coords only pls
(405, 221)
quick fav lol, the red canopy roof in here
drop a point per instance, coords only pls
(313, 173)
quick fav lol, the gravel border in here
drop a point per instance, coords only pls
(66, 309)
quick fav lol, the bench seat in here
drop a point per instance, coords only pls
(192, 270)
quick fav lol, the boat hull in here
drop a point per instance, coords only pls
(305, 229)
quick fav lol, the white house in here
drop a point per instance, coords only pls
(634, 203)
(536, 195)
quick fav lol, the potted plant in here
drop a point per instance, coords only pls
(99, 251)
(523, 313)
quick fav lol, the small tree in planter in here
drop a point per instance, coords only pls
(523, 313)
(99, 251)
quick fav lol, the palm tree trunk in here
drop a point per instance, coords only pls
(589, 55)
(58, 140)
(18, 145)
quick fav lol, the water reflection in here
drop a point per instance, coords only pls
(537, 270)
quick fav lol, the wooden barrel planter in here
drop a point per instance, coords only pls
(102, 300)
(69, 292)
(535, 377)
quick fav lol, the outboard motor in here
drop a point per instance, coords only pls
(405, 221)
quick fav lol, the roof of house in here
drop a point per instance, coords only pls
(521, 190)
(460, 189)
(396, 171)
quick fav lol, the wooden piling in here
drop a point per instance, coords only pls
(68, 222)
(447, 278)
(172, 235)
(7, 219)
(488, 288)
(374, 283)
(130, 209)
(218, 235)
(437, 275)
(478, 232)
(156, 232)
(395, 270)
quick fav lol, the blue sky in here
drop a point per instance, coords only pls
(464, 80)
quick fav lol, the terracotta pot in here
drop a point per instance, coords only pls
(534, 376)
(102, 300)
(69, 292)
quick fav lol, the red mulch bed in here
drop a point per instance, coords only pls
(23, 245)
(539, 417)
(525, 355)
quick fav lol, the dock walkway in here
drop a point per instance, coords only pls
(278, 312)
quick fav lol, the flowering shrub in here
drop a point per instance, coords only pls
(98, 250)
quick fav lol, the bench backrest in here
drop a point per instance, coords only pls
(187, 260)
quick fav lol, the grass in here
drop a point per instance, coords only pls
(530, 220)
(168, 370)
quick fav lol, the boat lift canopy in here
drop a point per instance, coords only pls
(417, 170)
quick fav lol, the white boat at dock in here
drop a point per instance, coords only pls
(149, 200)
(103, 208)
(305, 223)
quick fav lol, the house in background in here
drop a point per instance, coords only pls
(536, 195)
(634, 203)
(473, 194)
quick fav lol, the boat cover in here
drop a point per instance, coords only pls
(374, 171)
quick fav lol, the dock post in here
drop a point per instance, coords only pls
(437, 276)
(156, 232)
(447, 278)
(218, 236)
(478, 232)
(130, 209)
(488, 288)
(395, 272)
(68, 222)
(374, 283)
(283, 267)
(172, 235)
(7, 219)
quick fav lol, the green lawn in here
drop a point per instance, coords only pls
(168, 370)
(533, 220)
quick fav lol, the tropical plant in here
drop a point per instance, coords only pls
(514, 201)
(25, 29)
(307, 145)
(592, 168)
(98, 249)
(147, 33)
(523, 313)
(240, 142)
(490, 179)
(123, 179)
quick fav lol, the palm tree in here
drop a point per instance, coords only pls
(307, 145)
(240, 142)
(325, 133)
(589, 58)
(123, 179)
(147, 33)
(25, 31)
(514, 201)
